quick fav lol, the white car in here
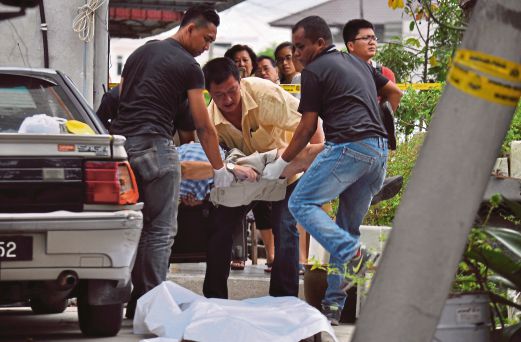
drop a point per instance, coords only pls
(69, 217)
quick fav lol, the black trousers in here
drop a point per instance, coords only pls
(284, 274)
(223, 222)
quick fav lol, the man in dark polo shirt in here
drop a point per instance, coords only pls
(158, 78)
(341, 89)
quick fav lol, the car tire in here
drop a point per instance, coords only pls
(99, 320)
(41, 306)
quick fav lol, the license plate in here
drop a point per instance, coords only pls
(15, 248)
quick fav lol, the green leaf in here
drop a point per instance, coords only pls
(498, 262)
(502, 281)
(495, 200)
(412, 41)
(511, 239)
(411, 25)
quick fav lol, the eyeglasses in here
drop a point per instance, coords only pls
(287, 58)
(367, 38)
(230, 93)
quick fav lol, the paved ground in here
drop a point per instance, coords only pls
(19, 324)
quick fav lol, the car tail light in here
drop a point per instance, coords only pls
(110, 183)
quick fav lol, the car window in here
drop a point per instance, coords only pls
(22, 97)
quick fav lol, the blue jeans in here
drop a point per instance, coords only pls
(156, 165)
(353, 172)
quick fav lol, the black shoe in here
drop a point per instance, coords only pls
(390, 187)
(357, 267)
(332, 314)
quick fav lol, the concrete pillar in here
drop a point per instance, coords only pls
(515, 159)
(444, 193)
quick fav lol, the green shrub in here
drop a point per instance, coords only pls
(514, 133)
(400, 162)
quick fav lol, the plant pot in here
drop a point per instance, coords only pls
(315, 285)
(465, 317)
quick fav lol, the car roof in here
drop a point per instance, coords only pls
(30, 71)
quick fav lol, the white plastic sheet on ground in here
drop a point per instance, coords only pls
(174, 313)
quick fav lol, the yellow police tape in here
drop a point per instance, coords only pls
(295, 88)
(419, 86)
(492, 65)
(480, 86)
(487, 77)
(291, 88)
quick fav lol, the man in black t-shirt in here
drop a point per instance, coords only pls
(341, 89)
(157, 80)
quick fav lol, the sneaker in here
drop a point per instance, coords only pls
(332, 314)
(358, 265)
(390, 187)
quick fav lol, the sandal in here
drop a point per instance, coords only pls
(237, 265)
(269, 265)
(301, 269)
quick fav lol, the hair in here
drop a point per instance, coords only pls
(263, 57)
(219, 70)
(230, 53)
(282, 46)
(352, 27)
(201, 15)
(314, 28)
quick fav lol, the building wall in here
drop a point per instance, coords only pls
(22, 43)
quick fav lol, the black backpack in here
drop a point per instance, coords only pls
(387, 116)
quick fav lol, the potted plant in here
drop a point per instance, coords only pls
(491, 265)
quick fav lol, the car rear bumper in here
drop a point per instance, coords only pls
(95, 245)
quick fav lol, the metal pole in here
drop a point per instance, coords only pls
(437, 211)
(101, 53)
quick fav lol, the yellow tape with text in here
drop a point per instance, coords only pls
(487, 77)
(491, 65)
(480, 86)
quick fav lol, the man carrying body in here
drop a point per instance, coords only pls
(157, 80)
(253, 115)
(342, 89)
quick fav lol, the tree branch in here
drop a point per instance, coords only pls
(462, 29)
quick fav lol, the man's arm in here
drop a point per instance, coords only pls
(319, 136)
(390, 92)
(305, 130)
(302, 161)
(205, 130)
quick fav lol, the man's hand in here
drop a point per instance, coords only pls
(190, 201)
(274, 170)
(222, 178)
(245, 173)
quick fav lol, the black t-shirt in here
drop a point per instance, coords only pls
(156, 78)
(342, 89)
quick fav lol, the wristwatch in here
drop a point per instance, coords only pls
(230, 167)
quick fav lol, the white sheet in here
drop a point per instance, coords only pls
(173, 313)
